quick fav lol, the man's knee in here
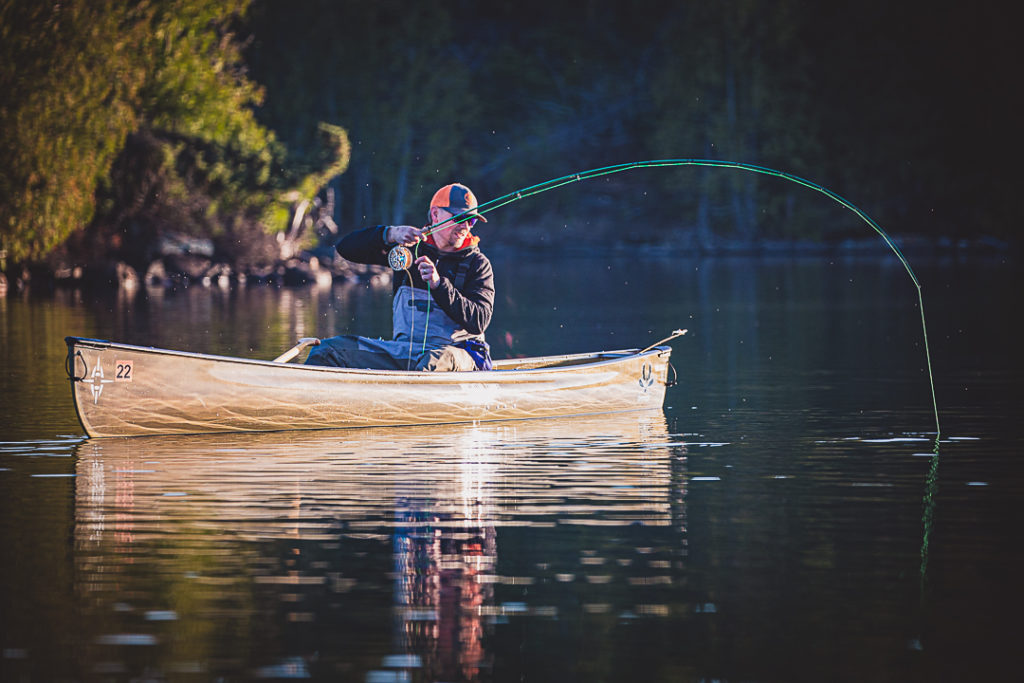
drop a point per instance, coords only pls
(446, 359)
(321, 355)
(331, 352)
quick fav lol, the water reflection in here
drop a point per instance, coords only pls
(369, 552)
(928, 515)
(804, 549)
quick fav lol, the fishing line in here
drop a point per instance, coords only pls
(426, 322)
(412, 318)
(554, 183)
(401, 258)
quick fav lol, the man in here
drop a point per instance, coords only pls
(442, 302)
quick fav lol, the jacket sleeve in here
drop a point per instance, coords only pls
(365, 246)
(471, 306)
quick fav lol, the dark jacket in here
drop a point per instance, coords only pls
(470, 305)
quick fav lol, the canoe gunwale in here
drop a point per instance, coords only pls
(557, 363)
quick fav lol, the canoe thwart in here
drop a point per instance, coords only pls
(295, 350)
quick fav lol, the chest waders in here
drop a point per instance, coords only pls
(416, 318)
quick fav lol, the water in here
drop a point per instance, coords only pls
(784, 518)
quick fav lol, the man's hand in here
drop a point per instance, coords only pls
(427, 271)
(405, 235)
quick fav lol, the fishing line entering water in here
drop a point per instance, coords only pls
(547, 185)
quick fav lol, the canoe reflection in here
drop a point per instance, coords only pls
(312, 518)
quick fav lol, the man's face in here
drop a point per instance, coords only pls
(451, 235)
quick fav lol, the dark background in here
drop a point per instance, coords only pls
(907, 109)
(125, 124)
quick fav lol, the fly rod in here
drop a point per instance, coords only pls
(580, 176)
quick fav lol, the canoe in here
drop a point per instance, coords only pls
(124, 390)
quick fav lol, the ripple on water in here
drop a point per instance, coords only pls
(24, 456)
(130, 639)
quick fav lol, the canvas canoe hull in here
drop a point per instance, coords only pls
(125, 390)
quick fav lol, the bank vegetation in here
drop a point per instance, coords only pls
(205, 139)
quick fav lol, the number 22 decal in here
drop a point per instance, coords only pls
(123, 371)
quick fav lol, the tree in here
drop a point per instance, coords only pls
(147, 108)
(386, 71)
(733, 84)
(70, 80)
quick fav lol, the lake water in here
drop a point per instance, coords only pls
(783, 518)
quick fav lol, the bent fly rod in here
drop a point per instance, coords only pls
(554, 183)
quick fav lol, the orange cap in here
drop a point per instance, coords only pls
(457, 198)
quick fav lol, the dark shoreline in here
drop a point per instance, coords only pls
(324, 268)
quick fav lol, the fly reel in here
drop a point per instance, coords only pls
(399, 258)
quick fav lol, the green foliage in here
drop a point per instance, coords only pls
(136, 118)
(146, 109)
(70, 80)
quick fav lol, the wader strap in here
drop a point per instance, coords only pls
(412, 314)
(460, 275)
